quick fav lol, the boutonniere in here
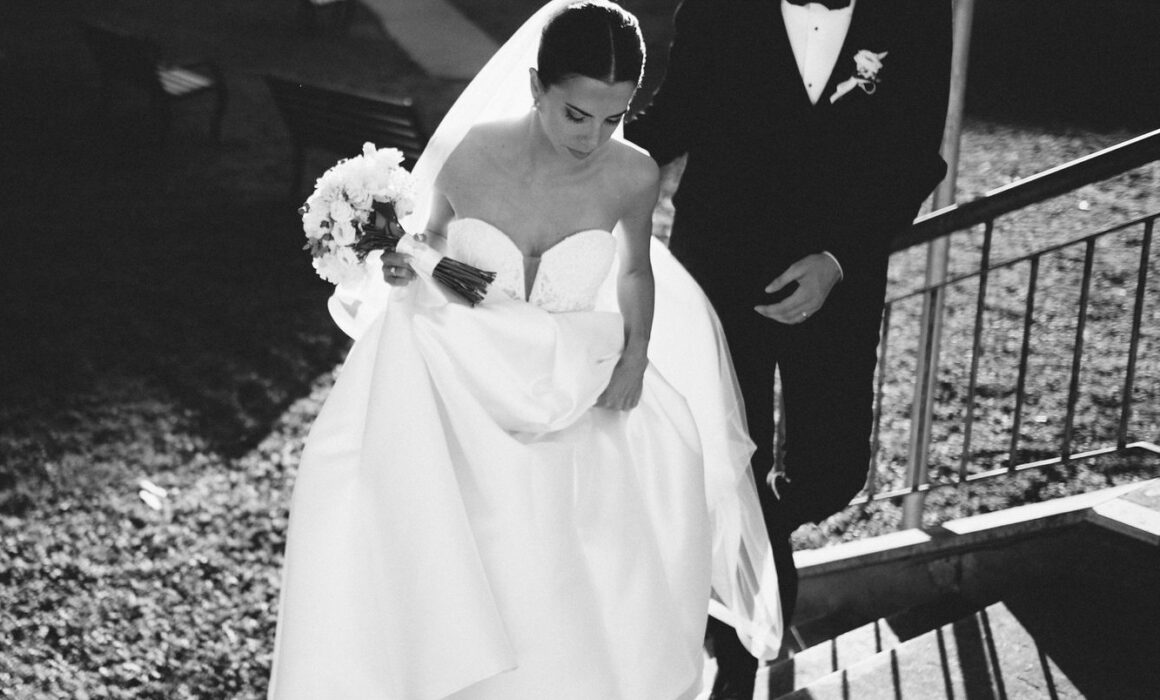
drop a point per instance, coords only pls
(866, 67)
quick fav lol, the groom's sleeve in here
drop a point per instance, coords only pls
(872, 203)
(669, 124)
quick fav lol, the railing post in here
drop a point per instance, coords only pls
(926, 366)
(926, 375)
(1134, 339)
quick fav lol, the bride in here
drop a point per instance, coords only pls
(528, 498)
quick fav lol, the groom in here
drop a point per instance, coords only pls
(812, 133)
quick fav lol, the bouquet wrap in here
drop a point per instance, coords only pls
(468, 281)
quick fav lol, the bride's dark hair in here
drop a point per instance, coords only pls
(598, 40)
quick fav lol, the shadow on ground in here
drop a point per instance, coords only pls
(181, 266)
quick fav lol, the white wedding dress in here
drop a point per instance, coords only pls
(466, 525)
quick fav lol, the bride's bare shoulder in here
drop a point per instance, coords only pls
(484, 144)
(633, 167)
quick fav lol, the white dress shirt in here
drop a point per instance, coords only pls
(816, 34)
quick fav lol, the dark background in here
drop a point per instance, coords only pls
(180, 266)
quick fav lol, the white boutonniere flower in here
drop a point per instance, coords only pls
(866, 67)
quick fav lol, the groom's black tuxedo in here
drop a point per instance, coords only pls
(771, 178)
(771, 174)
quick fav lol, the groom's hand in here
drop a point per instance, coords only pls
(815, 275)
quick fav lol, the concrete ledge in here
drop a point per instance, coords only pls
(881, 547)
(978, 558)
(964, 532)
(1035, 511)
(1129, 518)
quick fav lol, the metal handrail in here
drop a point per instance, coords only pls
(940, 224)
(1030, 258)
(1088, 242)
(1056, 181)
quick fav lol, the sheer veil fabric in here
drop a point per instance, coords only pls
(457, 613)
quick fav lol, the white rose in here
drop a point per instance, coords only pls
(387, 158)
(401, 181)
(343, 232)
(315, 222)
(404, 204)
(868, 63)
(359, 197)
(340, 210)
(328, 190)
(341, 267)
(358, 169)
(347, 257)
(401, 190)
(326, 268)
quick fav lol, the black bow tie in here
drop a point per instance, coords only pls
(830, 4)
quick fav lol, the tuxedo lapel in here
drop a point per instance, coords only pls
(774, 76)
(862, 30)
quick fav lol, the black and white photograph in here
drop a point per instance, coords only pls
(579, 349)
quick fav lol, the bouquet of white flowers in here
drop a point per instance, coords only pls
(339, 221)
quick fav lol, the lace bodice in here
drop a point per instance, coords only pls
(569, 274)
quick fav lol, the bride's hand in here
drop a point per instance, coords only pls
(624, 388)
(396, 270)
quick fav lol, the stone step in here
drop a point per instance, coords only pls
(809, 633)
(802, 668)
(848, 644)
(988, 654)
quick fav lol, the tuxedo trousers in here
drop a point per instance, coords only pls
(826, 368)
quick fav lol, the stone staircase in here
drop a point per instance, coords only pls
(1055, 600)
(988, 653)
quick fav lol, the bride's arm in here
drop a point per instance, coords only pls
(634, 292)
(441, 215)
(396, 267)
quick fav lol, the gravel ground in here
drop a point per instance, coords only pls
(165, 345)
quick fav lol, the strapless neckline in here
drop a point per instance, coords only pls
(529, 277)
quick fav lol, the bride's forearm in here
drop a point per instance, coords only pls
(635, 291)
(636, 287)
